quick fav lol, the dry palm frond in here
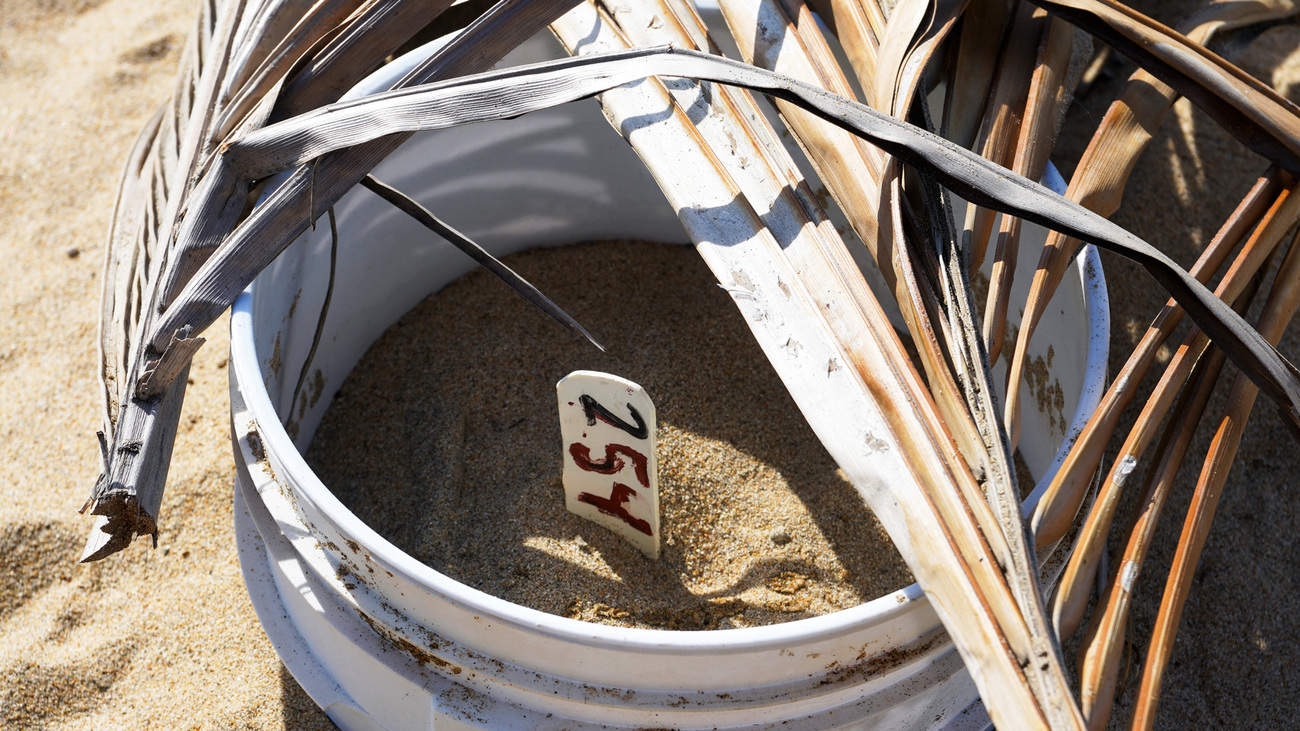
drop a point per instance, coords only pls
(143, 423)
(1105, 167)
(1050, 92)
(808, 262)
(1252, 111)
(1003, 111)
(1072, 594)
(1281, 307)
(259, 96)
(1056, 510)
(1104, 646)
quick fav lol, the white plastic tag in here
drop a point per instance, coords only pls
(607, 425)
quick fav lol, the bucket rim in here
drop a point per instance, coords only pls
(307, 485)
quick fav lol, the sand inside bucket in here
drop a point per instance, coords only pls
(445, 439)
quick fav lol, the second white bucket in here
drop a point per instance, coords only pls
(380, 640)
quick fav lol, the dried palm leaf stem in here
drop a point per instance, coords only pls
(1247, 108)
(121, 513)
(903, 65)
(1104, 642)
(913, 36)
(858, 26)
(1050, 94)
(836, 253)
(984, 26)
(131, 489)
(851, 169)
(1278, 311)
(1047, 679)
(847, 273)
(911, 41)
(1056, 511)
(322, 21)
(304, 138)
(1002, 114)
(1103, 170)
(427, 108)
(134, 257)
(945, 160)
(784, 289)
(632, 22)
(1076, 583)
(951, 513)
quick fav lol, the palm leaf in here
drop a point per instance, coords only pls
(259, 95)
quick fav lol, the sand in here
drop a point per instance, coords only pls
(167, 638)
(758, 524)
(151, 639)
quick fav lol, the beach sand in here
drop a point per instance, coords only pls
(152, 638)
(167, 638)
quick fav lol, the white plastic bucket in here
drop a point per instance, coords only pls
(380, 640)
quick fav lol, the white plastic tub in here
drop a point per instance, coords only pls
(380, 640)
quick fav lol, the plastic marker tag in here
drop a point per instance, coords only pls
(610, 471)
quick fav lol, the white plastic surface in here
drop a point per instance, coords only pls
(607, 445)
(383, 641)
